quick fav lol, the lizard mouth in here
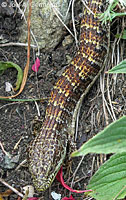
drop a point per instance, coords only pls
(43, 184)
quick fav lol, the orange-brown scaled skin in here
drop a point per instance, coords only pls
(49, 148)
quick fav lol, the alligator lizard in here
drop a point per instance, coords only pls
(49, 148)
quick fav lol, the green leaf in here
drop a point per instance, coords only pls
(123, 35)
(109, 14)
(113, 15)
(109, 182)
(111, 140)
(120, 68)
(6, 65)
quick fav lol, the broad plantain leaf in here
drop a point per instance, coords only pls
(6, 65)
(111, 140)
(110, 180)
(120, 68)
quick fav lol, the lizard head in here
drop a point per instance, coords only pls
(45, 160)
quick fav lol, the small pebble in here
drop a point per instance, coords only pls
(56, 196)
(68, 40)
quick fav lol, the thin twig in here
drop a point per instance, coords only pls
(5, 152)
(37, 107)
(76, 170)
(119, 192)
(105, 102)
(83, 1)
(60, 18)
(21, 164)
(109, 98)
(12, 188)
(68, 8)
(103, 97)
(9, 104)
(57, 11)
(92, 166)
(77, 123)
(17, 44)
(74, 28)
(17, 143)
(34, 38)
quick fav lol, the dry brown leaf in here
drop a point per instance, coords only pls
(7, 193)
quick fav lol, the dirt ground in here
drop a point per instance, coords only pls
(16, 118)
